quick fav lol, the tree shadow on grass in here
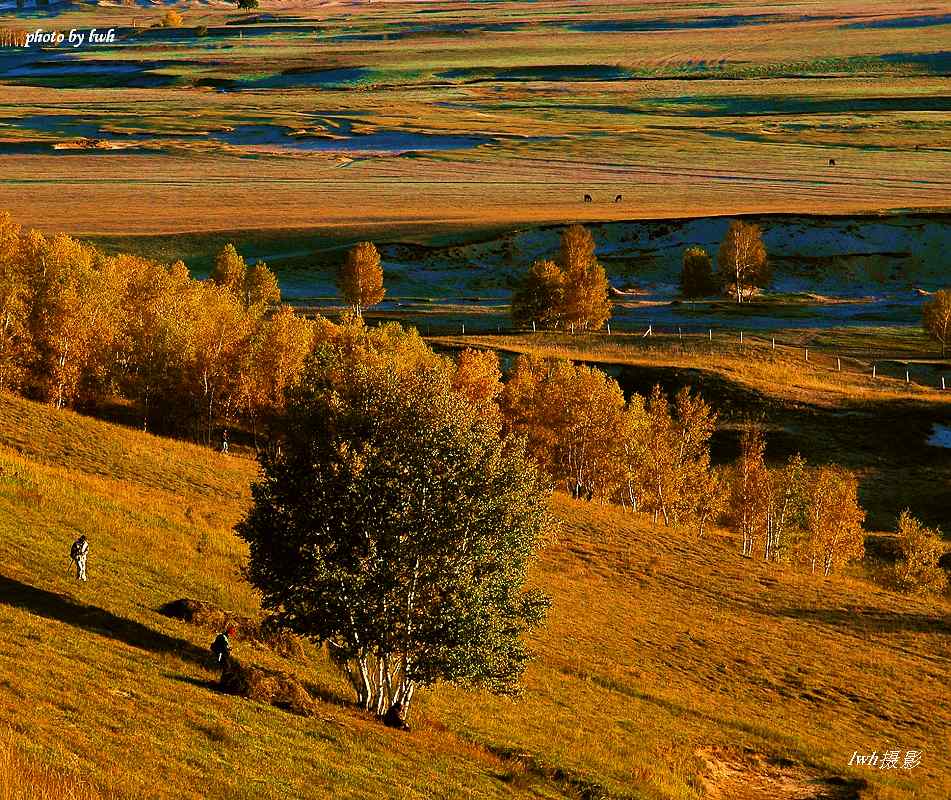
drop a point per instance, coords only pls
(868, 620)
(212, 685)
(96, 620)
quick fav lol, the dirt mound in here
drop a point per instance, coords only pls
(748, 775)
(268, 686)
(263, 631)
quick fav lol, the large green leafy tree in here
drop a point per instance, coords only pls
(396, 525)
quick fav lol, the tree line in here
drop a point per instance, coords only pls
(571, 292)
(79, 328)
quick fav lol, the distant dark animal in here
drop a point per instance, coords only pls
(831, 162)
(617, 199)
(917, 147)
(587, 198)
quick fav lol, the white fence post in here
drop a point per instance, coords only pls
(838, 364)
(807, 354)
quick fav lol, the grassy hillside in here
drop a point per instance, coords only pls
(669, 668)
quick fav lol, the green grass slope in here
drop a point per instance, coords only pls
(669, 668)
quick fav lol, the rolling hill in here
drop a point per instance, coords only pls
(669, 667)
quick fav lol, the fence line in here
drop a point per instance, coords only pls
(918, 369)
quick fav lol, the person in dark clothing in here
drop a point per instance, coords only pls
(221, 647)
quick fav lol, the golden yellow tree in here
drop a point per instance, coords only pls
(834, 533)
(670, 459)
(15, 301)
(230, 270)
(74, 316)
(261, 286)
(750, 488)
(540, 297)
(741, 261)
(585, 304)
(936, 317)
(478, 378)
(152, 339)
(172, 19)
(917, 570)
(571, 416)
(273, 361)
(219, 329)
(360, 278)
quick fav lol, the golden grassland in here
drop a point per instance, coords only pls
(781, 372)
(23, 779)
(681, 136)
(659, 650)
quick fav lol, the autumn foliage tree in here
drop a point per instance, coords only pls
(586, 303)
(254, 286)
(936, 318)
(574, 419)
(15, 342)
(539, 299)
(742, 264)
(671, 460)
(360, 278)
(80, 328)
(834, 519)
(570, 292)
(917, 570)
(767, 504)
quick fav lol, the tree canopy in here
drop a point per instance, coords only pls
(571, 291)
(696, 276)
(360, 278)
(397, 525)
(742, 264)
(936, 318)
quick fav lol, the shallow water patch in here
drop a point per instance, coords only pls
(922, 21)
(379, 141)
(940, 436)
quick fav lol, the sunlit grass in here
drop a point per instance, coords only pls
(657, 645)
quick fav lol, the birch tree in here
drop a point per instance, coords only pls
(936, 318)
(917, 570)
(673, 458)
(835, 534)
(15, 301)
(750, 489)
(585, 301)
(360, 278)
(539, 298)
(396, 526)
(741, 260)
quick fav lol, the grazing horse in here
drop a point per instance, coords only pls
(831, 162)
(587, 198)
(617, 199)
